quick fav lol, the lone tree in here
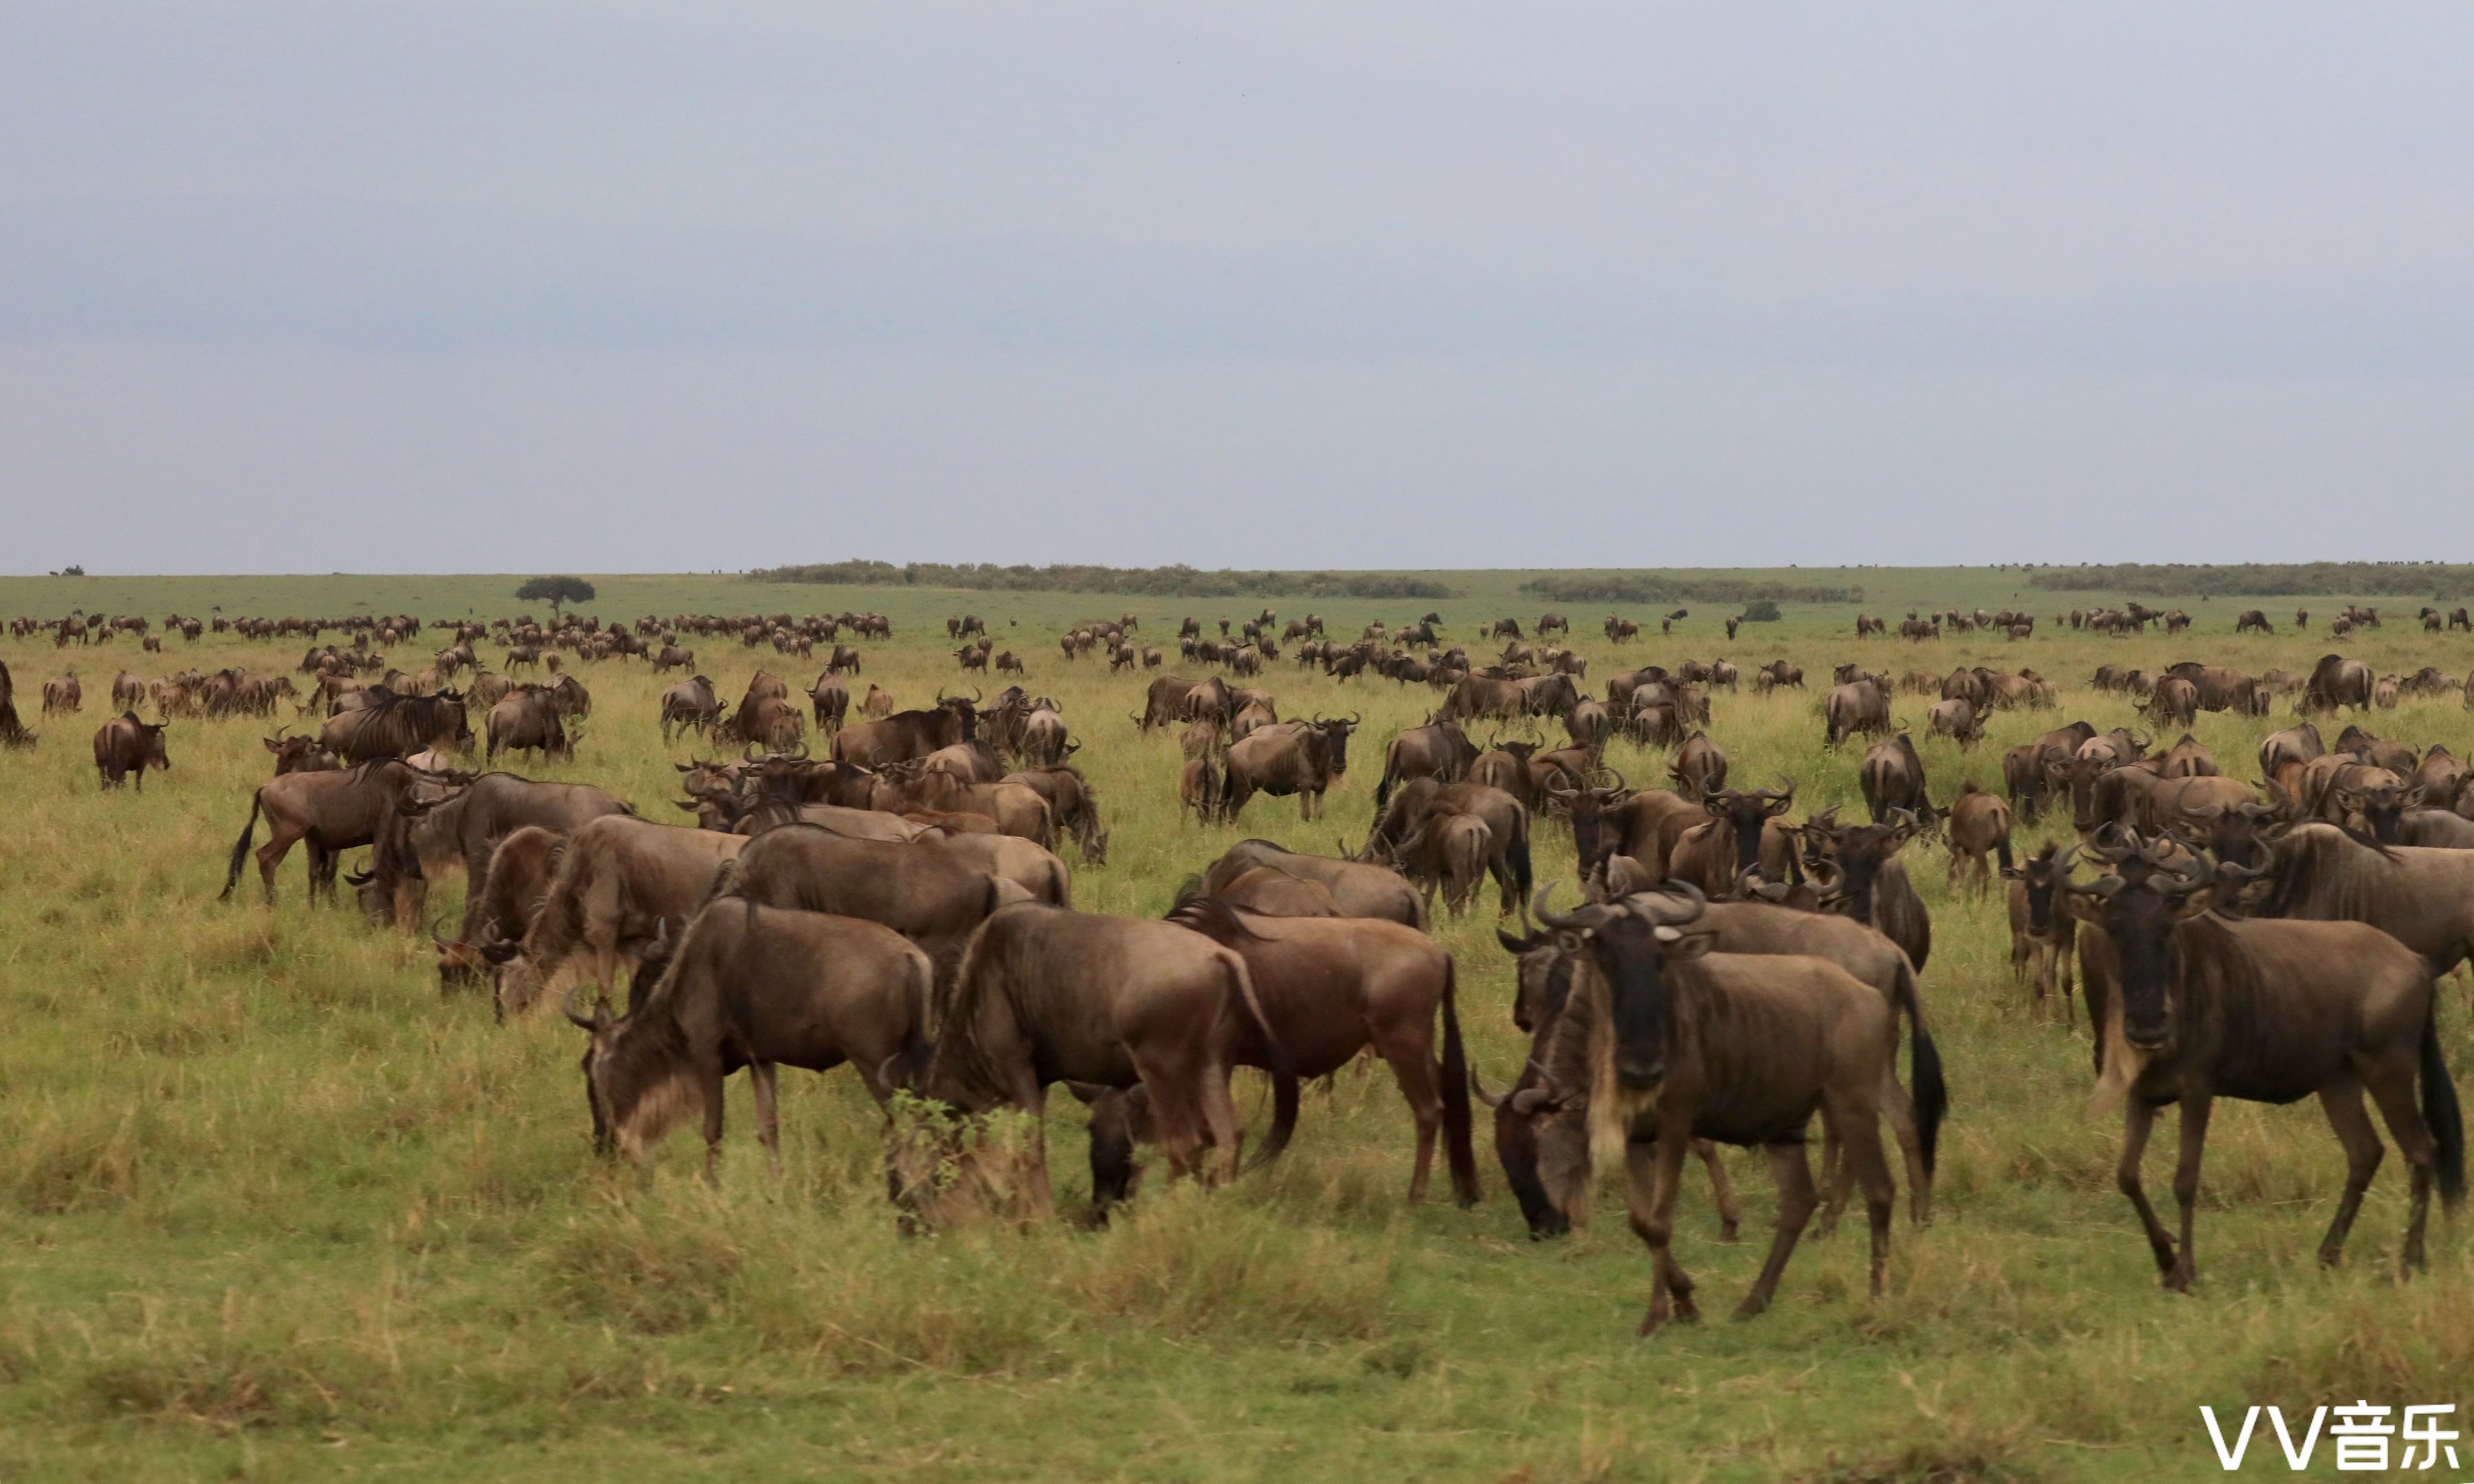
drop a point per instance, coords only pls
(556, 591)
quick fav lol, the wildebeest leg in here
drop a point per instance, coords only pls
(1900, 1110)
(2138, 1121)
(1793, 1173)
(709, 1081)
(1722, 1190)
(1220, 1116)
(2394, 1093)
(2186, 1187)
(322, 863)
(271, 855)
(1653, 1169)
(2341, 1101)
(768, 1124)
(1413, 1067)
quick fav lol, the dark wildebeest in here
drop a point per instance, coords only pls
(1438, 750)
(463, 830)
(1047, 996)
(757, 987)
(300, 755)
(2042, 937)
(2253, 618)
(2190, 1006)
(1699, 768)
(932, 898)
(907, 735)
(1400, 823)
(2423, 897)
(390, 725)
(125, 747)
(670, 656)
(1291, 757)
(1892, 776)
(1330, 988)
(844, 659)
(499, 903)
(1673, 1043)
(1449, 850)
(1072, 806)
(1360, 891)
(831, 698)
(2336, 681)
(616, 882)
(1870, 883)
(1742, 830)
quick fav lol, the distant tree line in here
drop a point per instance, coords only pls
(1661, 587)
(1150, 582)
(2266, 579)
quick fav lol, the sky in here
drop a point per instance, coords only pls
(626, 286)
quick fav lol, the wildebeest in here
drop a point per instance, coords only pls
(618, 880)
(2044, 936)
(393, 725)
(63, 694)
(498, 903)
(2336, 681)
(1358, 890)
(124, 748)
(329, 813)
(1438, 750)
(1869, 883)
(2253, 618)
(1956, 719)
(2190, 1006)
(1400, 830)
(1673, 1043)
(1979, 826)
(1892, 776)
(758, 988)
(1743, 831)
(1330, 988)
(907, 735)
(1859, 707)
(463, 830)
(528, 721)
(1291, 757)
(932, 898)
(1047, 996)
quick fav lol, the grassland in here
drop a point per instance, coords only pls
(270, 1207)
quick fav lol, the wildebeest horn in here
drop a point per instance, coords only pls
(1660, 916)
(567, 1008)
(1550, 918)
(1489, 1099)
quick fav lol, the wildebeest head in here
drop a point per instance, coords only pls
(2043, 873)
(1632, 944)
(1335, 735)
(2138, 909)
(1746, 812)
(1586, 806)
(1858, 852)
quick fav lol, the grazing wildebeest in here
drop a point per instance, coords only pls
(498, 903)
(1359, 890)
(528, 721)
(2336, 681)
(328, 812)
(758, 988)
(930, 896)
(1979, 826)
(2253, 618)
(1859, 707)
(1330, 988)
(463, 830)
(618, 880)
(124, 748)
(1673, 1043)
(2042, 937)
(2191, 1005)
(1401, 822)
(1047, 995)
(904, 735)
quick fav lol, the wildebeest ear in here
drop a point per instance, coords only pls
(272, 745)
(1087, 1092)
(689, 807)
(1678, 947)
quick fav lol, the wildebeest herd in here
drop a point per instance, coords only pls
(852, 879)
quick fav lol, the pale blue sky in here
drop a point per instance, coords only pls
(627, 286)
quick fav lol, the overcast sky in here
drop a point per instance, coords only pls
(615, 286)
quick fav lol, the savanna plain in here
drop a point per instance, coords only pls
(272, 1206)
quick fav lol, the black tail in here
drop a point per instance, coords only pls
(1391, 776)
(2440, 1113)
(1520, 857)
(1459, 1153)
(1932, 1094)
(240, 850)
(1283, 1070)
(2001, 847)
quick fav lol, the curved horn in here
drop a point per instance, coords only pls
(1489, 1099)
(1660, 916)
(1550, 918)
(567, 1008)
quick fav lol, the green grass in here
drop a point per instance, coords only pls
(272, 1207)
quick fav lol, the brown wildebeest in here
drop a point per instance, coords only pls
(328, 812)
(393, 725)
(930, 896)
(1742, 830)
(1978, 825)
(499, 903)
(1438, 750)
(1892, 776)
(1859, 707)
(1956, 719)
(1450, 851)
(616, 882)
(1270, 891)
(2336, 681)
(878, 705)
(758, 988)
(691, 705)
(1869, 883)
(528, 721)
(1674, 1043)
(299, 754)
(1400, 828)
(1360, 891)
(63, 694)
(1199, 790)
(1330, 988)
(1047, 995)
(2042, 937)
(2253, 618)
(124, 748)
(1291, 757)
(2191, 1005)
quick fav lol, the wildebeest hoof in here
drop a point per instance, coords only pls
(1726, 1230)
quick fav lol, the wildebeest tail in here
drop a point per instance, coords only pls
(2440, 1113)
(1931, 1094)
(240, 850)
(1391, 776)
(1459, 1151)
(1284, 1071)
(2001, 847)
